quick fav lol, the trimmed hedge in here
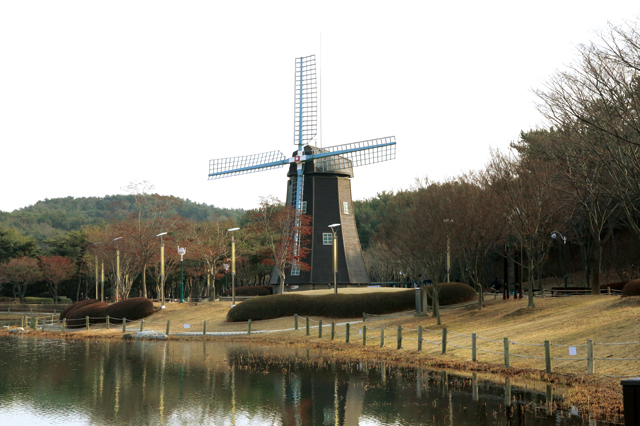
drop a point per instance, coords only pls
(132, 309)
(614, 286)
(44, 300)
(453, 293)
(97, 313)
(340, 305)
(65, 313)
(631, 289)
(252, 290)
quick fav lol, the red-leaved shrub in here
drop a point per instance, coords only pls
(132, 309)
(97, 313)
(77, 305)
(632, 288)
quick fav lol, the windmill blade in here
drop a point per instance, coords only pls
(306, 107)
(355, 154)
(233, 166)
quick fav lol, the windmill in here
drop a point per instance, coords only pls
(319, 185)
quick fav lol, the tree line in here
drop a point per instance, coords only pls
(577, 178)
(121, 257)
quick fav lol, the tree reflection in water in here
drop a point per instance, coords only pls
(45, 381)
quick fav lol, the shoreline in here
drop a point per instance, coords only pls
(595, 396)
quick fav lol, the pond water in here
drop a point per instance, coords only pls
(53, 381)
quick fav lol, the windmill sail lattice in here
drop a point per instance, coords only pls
(318, 181)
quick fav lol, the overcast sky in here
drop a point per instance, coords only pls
(94, 95)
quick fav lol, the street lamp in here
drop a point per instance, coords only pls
(181, 252)
(161, 235)
(555, 235)
(335, 257)
(233, 267)
(97, 281)
(117, 271)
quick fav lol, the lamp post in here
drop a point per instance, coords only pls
(97, 281)
(335, 256)
(117, 271)
(161, 235)
(181, 252)
(233, 267)
(555, 235)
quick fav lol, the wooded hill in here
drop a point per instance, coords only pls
(53, 217)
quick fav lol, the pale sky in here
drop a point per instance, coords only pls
(94, 95)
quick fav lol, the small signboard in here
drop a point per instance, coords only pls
(187, 326)
(573, 351)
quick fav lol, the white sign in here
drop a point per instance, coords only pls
(573, 350)
(187, 326)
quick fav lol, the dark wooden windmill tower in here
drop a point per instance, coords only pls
(319, 185)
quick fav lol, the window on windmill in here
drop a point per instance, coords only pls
(295, 271)
(304, 207)
(345, 207)
(327, 239)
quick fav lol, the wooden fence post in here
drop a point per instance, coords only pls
(333, 330)
(141, 324)
(320, 329)
(444, 341)
(590, 367)
(204, 329)
(124, 325)
(86, 319)
(419, 337)
(399, 337)
(474, 347)
(64, 324)
(506, 352)
(307, 326)
(547, 356)
(168, 323)
(295, 321)
(609, 291)
(108, 322)
(249, 327)
(364, 316)
(382, 336)
(364, 335)
(346, 339)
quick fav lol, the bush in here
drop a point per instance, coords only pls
(132, 309)
(97, 313)
(631, 289)
(38, 300)
(453, 293)
(341, 305)
(614, 286)
(252, 290)
(68, 309)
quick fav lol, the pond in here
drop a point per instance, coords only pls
(54, 381)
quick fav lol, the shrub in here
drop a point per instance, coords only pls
(252, 290)
(132, 309)
(452, 293)
(614, 286)
(341, 305)
(38, 300)
(631, 289)
(68, 309)
(97, 313)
